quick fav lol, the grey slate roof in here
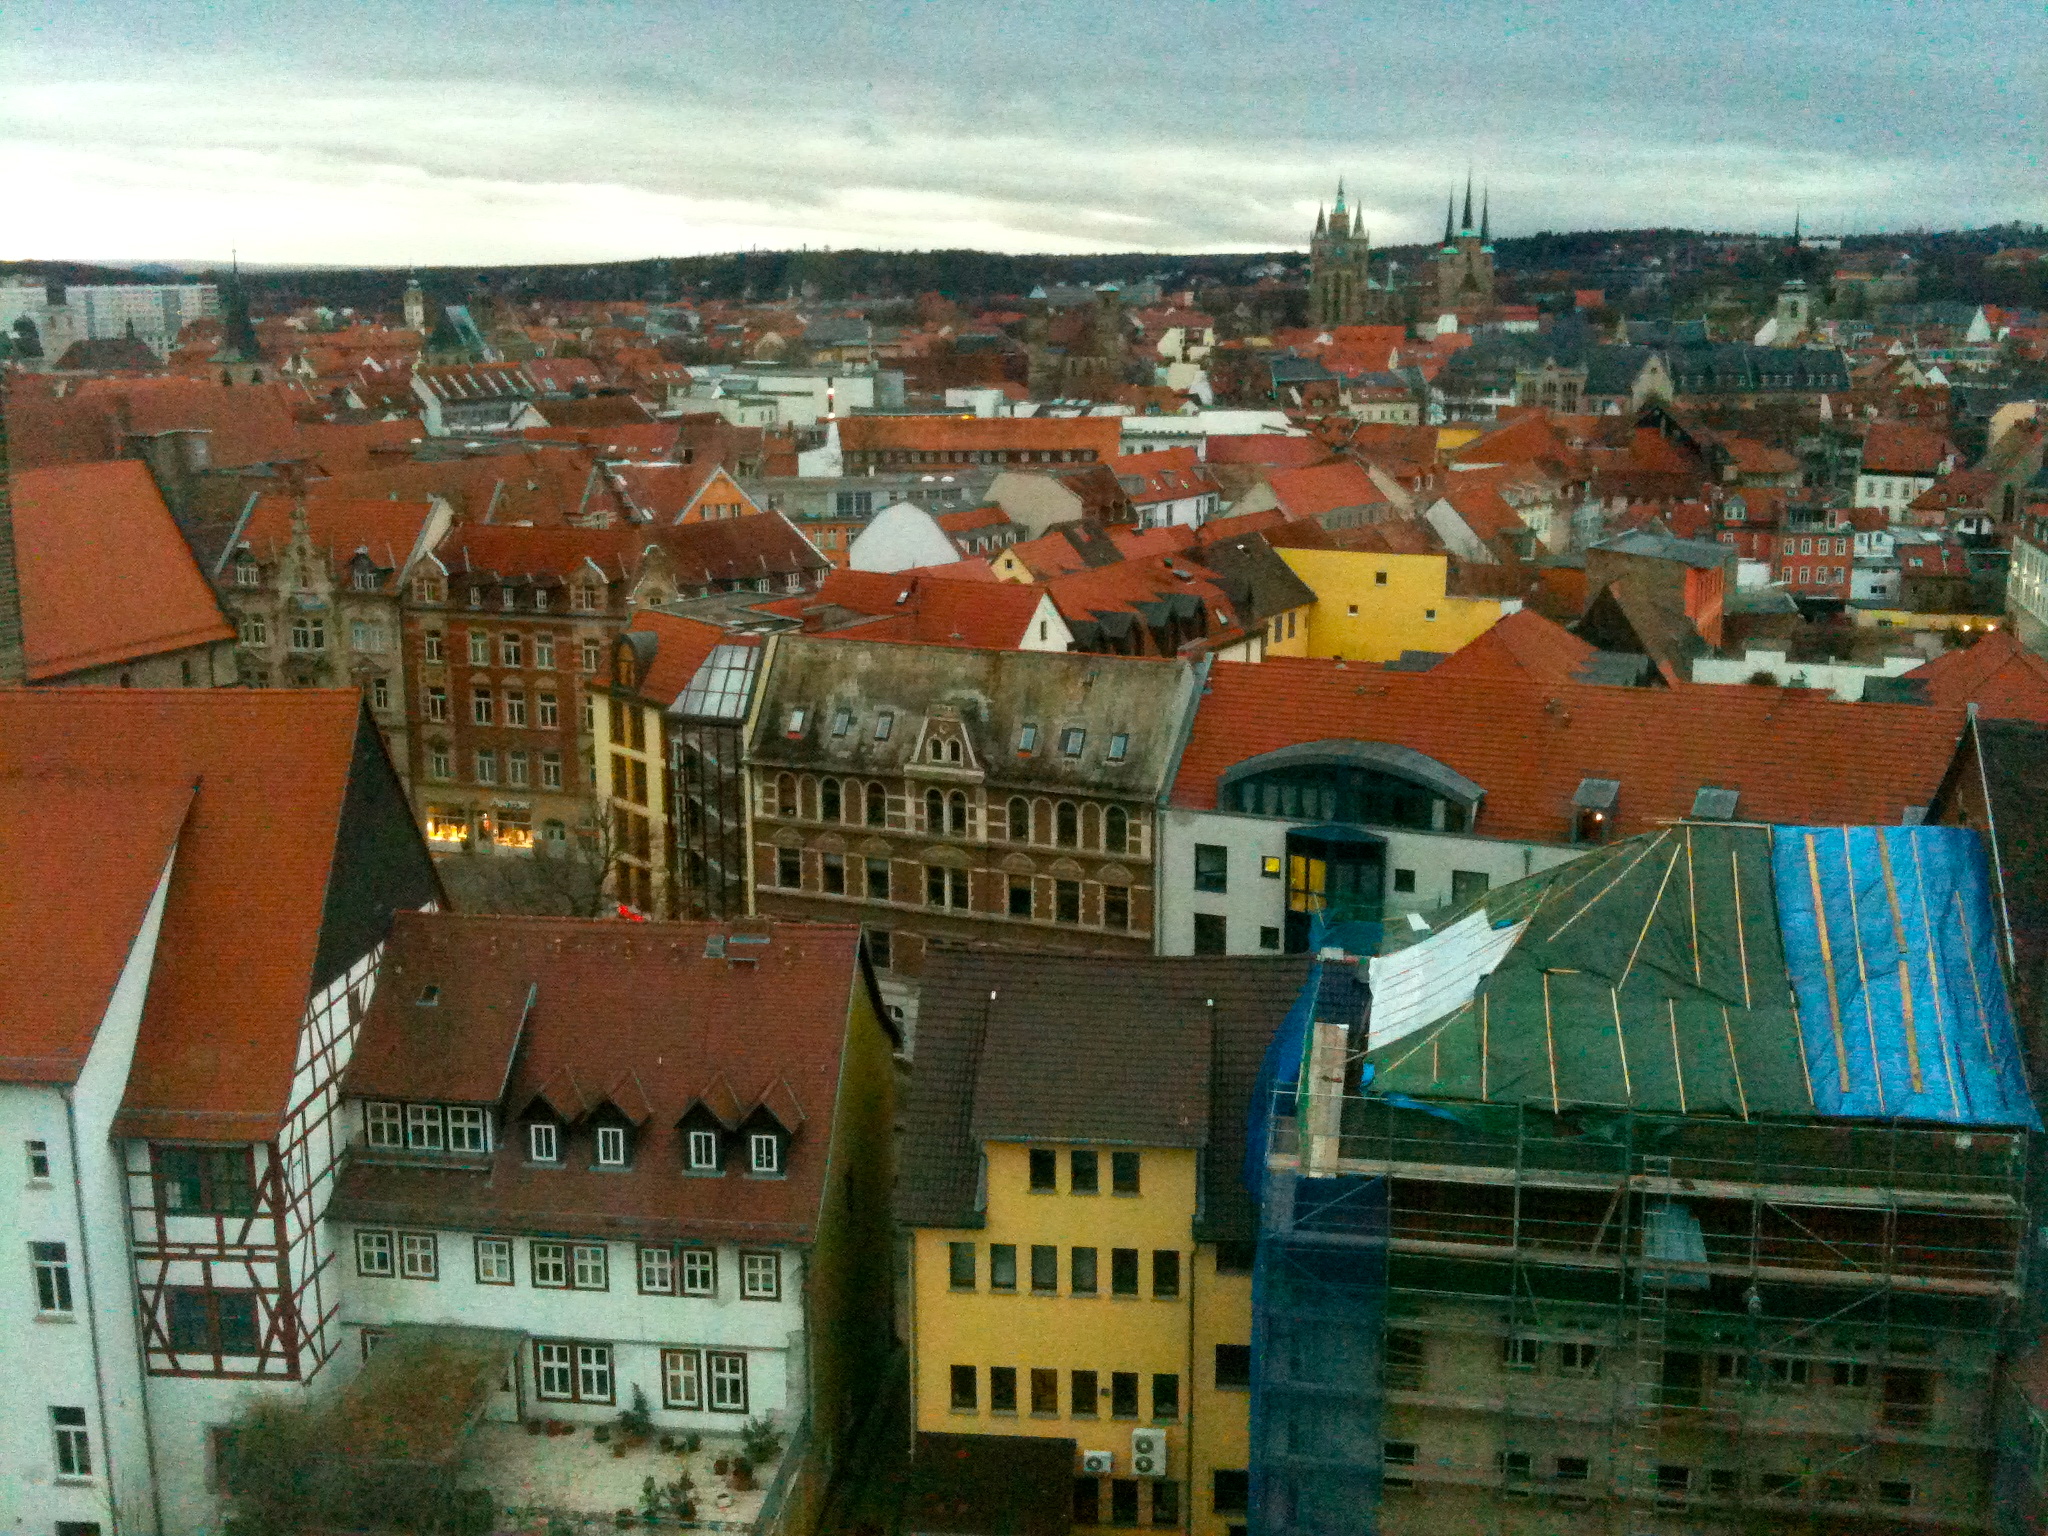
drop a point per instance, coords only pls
(1153, 1051)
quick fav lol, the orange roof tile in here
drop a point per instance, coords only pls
(1522, 645)
(1322, 488)
(251, 424)
(1904, 448)
(681, 645)
(341, 525)
(1266, 448)
(1998, 674)
(105, 574)
(883, 434)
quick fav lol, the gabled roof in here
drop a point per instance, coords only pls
(1998, 674)
(249, 424)
(593, 1012)
(1528, 744)
(681, 646)
(263, 887)
(1322, 488)
(1522, 645)
(882, 434)
(105, 575)
(386, 531)
(930, 606)
(1904, 448)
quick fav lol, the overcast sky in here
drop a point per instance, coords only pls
(483, 131)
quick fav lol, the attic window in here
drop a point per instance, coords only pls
(795, 725)
(1072, 740)
(703, 1151)
(842, 722)
(1027, 739)
(430, 996)
(764, 1153)
(884, 723)
(1119, 744)
(611, 1146)
(1712, 804)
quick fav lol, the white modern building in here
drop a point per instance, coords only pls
(154, 313)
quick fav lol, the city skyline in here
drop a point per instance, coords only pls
(454, 134)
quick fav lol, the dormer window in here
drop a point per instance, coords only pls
(703, 1151)
(842, 722)
(611, 1146)
(884, 723)
(937, 750)
(764, 1153)
(423, 1127)
(543, 1142)
(795, 724)
(385, 1124)
(468, 1129)
(1027, 740)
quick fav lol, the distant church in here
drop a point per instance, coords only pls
(1340, 286)
(1464, 263)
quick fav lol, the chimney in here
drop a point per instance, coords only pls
(13, 649)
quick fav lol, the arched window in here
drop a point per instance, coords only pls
(934, 812)
(828, 800)
(1116, 830)
(1067, 825)
(878, 806)
(785, 795)
(956, 814)
(937, 749)
(952, 751)
(1017, 819)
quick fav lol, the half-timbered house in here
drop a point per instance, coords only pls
(192, 902)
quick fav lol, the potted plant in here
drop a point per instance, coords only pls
(636, 1424)
(601, 1433)
(742, 1475)
(691, 1443)
(761, 1440)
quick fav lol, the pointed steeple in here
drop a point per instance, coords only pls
(1795, 223)
(1319, 221)
(1448, 201)
(1485, 216)
(1465, 224)
(1340, 194)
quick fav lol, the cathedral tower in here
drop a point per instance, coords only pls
(1339, 265)
(1464, 263)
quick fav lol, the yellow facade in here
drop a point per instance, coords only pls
(1372, 607)
(1150, 1350)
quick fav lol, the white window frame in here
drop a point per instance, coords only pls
(703, 1147)
(548, 1263)
(760, 1276)
(479, 648)
(384, 1123)
(543, 1142)
(726, 1371)
(376, 1256)
(469, 1128)
(419, 1256)
(764, 1153)
(611, 1146)
(595, 1381)
(589, 1267)
(657, 1271)
(73, 1443)
(51, 1263)
(543, 645)
(700, 1272)
(682, 1378)
(494, 1261)
(424, 1128)
(554, 1372)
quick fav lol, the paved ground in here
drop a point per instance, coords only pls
(533, 1478)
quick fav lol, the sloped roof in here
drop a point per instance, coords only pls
(882, 434)
(640, 1012)
(930, 606)
(105, 574)
(681, 646)
(241, 944)
(250, 424)
(1521, 645)
(1998, 674)
(1904, 448)
(1793, 755)
(1322, 488)
(1047, 1058)
(341, 525)
(1271, 448)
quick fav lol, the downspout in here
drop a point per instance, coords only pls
(93, 1332)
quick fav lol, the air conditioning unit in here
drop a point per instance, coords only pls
(1098, 1463)
(1148, 1453)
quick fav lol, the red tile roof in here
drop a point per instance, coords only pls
(73, 904)
(251, 424)
(343, 447)
(1323, 488)
(2004, 679)
(638, 1016)
(884, 434)
(930, 606)
(1904, 448)
(681, 646)
(1266, 448)
(236, 960)
(341, 525)
(967, 519)
(1522, 645)
(1796, 756)
(105, 575)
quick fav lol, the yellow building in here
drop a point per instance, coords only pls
(1079, 1238)
(1372, 607)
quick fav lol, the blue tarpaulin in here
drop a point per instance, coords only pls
(1893, 955)
(1279, 1073)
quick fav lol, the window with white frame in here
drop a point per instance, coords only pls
(469, 1129)
(700, 1271)
(682, 1378)
(418, 1256)
(587, 1268)
(549, 1265)
(373, 1254)
(248, 574)
(761, 1276)
(658, 1271)
(309, 634)
(479, 648)
(255, 629)
(593, 655)
(543, 648)
(728, 1373)
(611, 1146)
(704, 1151)
(493, 1261)
(543, 1141)
(423, 1127)
(74, 1445)
(52, 1265)
(550, 767)
(555, 1371)
(764, 1152)
(384, 1124)
(594, 1373)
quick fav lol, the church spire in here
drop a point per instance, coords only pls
(1796, 210)
(1320, 226)
(1465, 224)
(1448, 201)
(1485, 216)
(1340, 194)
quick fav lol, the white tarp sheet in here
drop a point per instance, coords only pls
(1420, 984)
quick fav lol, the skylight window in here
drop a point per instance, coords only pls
(1119, 745)
(1027, 739)
(1712, 804)
(795, 724)
(1072, 740)
(884, 723)
(430, 996)
(720, 687)
(842, 722)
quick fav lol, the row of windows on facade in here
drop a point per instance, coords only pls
(972, 456)
(506, 826)
(692, 1378)
(383, 1254)
(466, 1128)
(950, 750)
(484, 708)
(584, 597)
(1084, 1274)
(511, 649)
(1674, 1481)
(1057, 824)
(361, 578)
(1124, 1510)
(1085, 1392)
(1084, 1171)
(310, 635)
(953, 889)
(483, 764)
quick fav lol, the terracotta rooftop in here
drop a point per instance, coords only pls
(1323, 488)
(1524, 646)
(883, 434)
(251, 424)
(1904, 448)
(105, 575)
(1272, 448)
(341, 525)
(1998, 674)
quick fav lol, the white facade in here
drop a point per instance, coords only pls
(1894, 493)
(1253, 903)
(776, 399)
(657, 1340)
(62, 1199)
(1843, 679)
(156, 312)
(901, 538)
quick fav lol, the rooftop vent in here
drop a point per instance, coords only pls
(1712, 804)
(1597, 794)
(430, 997)
(714, 946)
